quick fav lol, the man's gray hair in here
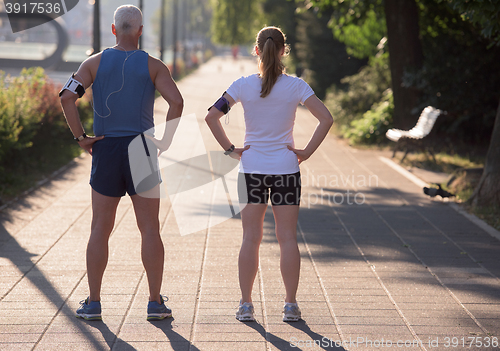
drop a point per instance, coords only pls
(127, 19)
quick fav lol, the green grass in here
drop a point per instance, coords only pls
(462, 170)
(489, 214)
(464, 174)
(445, 163)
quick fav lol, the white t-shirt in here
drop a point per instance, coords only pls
(269, 122)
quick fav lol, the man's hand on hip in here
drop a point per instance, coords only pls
(88, 142)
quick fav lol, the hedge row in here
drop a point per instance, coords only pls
(34, 137)
(30, 112)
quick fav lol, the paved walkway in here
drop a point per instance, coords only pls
(382, 265)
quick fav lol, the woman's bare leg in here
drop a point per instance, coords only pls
(252, 218)
(286, 217)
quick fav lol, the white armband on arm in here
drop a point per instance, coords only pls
(74, 86)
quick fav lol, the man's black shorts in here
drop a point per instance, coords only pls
(282, 189)
(111, 174)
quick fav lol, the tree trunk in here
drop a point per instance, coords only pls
(405, 51)
(488, 190)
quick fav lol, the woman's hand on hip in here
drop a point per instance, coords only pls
(302, 154)
(236, 154)
(161, 145)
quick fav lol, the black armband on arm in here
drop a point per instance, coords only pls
(74, 86)
(222, 105)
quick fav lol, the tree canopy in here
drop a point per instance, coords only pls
(484, 13)
(358, 24)
(235, 22)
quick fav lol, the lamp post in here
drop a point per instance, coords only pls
(97, 28)
(174, 37)
(162, 29)
(140, 38)
(185, 20)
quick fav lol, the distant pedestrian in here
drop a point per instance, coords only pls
(269, 162)
(123, 81)
(234, 50)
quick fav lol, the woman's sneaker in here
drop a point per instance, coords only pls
(245, 312)
(89, 310)
(291, 312)
(158, 311)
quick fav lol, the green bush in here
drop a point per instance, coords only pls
(30, 110)
(34, 137)
(371, 128)
(19, 119)
(323, 57)
(364, 89)
(25, 104)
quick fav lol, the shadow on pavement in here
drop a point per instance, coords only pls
(177, 341)
(106, 333)
(295, 344)
(423, 236)
(22, 259)
(276, 341)
(439, 238)
(321, 341)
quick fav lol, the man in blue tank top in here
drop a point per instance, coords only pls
(123, 81)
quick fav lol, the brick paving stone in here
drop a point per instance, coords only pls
(83, 346)
(20, 337)
(443, 330)
(435, 315)
(232, 345)
(228, 337)
(492, 324)
(153, 346)
(15, 320)
(16, 346)
(369, 320)
(442, 322)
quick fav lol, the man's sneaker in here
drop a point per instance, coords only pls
(245, 312)
(89, 310)
(291, 312)
(158, 311)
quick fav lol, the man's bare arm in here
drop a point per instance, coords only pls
(85, 76)
(168, 89)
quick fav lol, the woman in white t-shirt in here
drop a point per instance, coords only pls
(269, 167)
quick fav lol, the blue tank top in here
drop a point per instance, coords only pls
(129, 96)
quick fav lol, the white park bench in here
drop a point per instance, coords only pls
(407, 138)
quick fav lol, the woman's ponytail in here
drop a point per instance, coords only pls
(270, 42)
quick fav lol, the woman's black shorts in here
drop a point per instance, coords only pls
(282, 189)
